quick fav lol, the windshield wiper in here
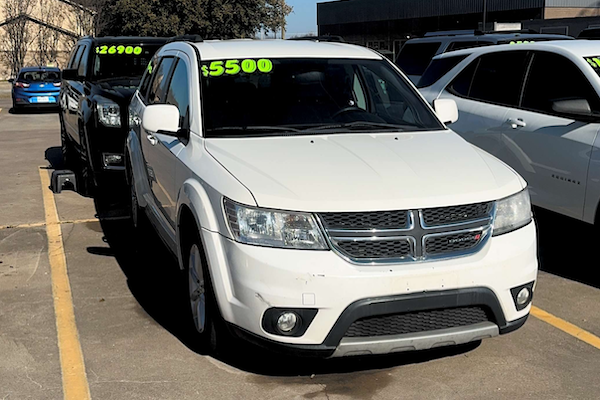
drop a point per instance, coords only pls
(264, 129)
(357, 125)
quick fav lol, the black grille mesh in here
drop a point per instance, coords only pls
(366, 220)
(415, 322)
(453, 243)
(450, 215)
(376, 249)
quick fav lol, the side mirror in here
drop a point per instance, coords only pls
(575, 107)
(70, 75)
(446, 110)
(161, 118)
(11, 81)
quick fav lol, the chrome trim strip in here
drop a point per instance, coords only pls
(415, 341)
(370, 239)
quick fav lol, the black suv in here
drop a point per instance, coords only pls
(97, 85)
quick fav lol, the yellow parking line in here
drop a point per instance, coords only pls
(566, 327)
(40, 224)
(74, 379)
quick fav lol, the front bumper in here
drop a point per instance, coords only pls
(250, 280)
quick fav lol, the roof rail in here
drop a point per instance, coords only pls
(323, 38)
(186, 38)
(508, 32)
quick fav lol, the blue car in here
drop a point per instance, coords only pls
(36, 87)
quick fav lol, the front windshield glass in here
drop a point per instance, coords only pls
(254, 97)
(39, 76)
(122, 60)
(595, 63)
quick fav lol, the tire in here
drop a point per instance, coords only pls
(67, 147)
(137, 214)
(209, 329)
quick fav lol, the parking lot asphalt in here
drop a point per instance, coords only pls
(129, 309)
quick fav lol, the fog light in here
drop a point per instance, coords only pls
(287, 322)
(523, 296)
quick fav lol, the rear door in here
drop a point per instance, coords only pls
(552, 151)
(484, 92)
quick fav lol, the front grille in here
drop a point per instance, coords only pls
(416, 322)
(366, 220)
(451, 215)
(409, 235)
(453, 243)
(376, 249)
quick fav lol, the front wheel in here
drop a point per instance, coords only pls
(208, 324)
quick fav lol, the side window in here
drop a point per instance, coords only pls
(75, 57)
(499, 78)
(553, 77)
(438, 68)
(415, 57)
(83, 61)
(157, 93)
(147, 78)
(462, 45)
(179, 93)
(461, 86)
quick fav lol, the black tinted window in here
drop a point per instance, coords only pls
(499, 78)
(552, 78)
(461, 86)
(39, 76)
(74, 64)
(83, 62)
(122, 61)
(157, 93)
(147, 78)
(307, 94)
(74, 55)
(439, 68)
(415, 57)
(463, 45)
(179, 92)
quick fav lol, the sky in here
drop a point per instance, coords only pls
(303, 19)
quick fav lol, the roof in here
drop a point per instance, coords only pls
(582, 48)
(127, 39)
(489, 37)
(34, 69)
(248, 48)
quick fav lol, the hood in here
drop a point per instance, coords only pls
(118, 90)
(365, 172)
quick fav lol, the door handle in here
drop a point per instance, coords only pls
(517, 123)
(152, 139)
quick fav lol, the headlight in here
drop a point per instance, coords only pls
(109, 113)
(512, 213)
(282, 229)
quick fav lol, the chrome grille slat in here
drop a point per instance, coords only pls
(465, 230)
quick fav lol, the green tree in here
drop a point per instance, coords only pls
(213, 19)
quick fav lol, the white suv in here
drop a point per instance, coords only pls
(319, 205)
(537, 108)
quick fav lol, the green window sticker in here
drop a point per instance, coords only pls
(594, 63)
(236, 67)
(119, 49)
(522, 42)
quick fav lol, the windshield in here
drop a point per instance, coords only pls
(302, 96)
(39, 76)
(595, 63)
(123, 60)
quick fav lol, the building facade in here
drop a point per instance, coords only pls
(40, 32)
(387, 24)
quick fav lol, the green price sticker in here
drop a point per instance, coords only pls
(594, 62)
(119, 49)
(236, 67)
